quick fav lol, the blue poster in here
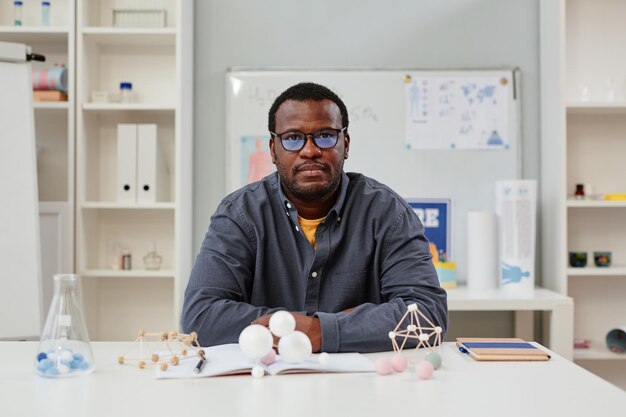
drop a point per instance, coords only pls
(435, 215)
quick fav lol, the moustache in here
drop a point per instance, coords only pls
(310, 166)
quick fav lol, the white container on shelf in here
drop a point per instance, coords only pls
(99, 96)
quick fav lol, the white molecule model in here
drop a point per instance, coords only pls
(324, 358)
(255, 341)
(282, 323)
(295, 347)
(258, 372)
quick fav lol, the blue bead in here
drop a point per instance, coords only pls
(41, 356)
(78, 357)
(52, 371)
(44, 364)
(75, 364)
(84, 365)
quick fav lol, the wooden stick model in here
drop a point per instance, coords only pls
(171, 347)
(415, 330)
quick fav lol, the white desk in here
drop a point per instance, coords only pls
(560, 309)
(462, 387)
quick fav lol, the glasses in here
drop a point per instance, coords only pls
(294, 140)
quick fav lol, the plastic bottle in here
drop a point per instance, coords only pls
(17, 13)
(126, 92)
(64, 349)
(45, 13)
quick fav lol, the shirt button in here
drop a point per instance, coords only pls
(297, 229)
(288, 205)
(314, 274)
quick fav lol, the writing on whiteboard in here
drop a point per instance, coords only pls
(264, 98)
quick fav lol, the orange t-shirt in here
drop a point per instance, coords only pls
(309, 227)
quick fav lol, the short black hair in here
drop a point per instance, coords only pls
(305, 92)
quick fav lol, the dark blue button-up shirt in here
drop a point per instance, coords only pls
(371, 254)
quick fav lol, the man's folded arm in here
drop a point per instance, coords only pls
(407, 276)
(216, 302)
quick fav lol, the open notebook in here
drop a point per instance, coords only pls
(228, 360)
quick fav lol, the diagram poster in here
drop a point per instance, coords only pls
(458, 112)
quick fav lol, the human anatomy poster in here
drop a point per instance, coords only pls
(256, 161)
(456, 112)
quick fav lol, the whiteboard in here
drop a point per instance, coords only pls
(20, 276)
(381, 147)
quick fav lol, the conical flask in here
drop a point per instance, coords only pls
(64, 349)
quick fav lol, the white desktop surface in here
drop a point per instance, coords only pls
(461, 387)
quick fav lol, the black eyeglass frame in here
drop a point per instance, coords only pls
(306, 135)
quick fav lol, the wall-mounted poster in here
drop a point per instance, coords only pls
(435, 215)
(454, 111)
(256, 161)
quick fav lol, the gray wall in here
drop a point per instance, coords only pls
(327, 34)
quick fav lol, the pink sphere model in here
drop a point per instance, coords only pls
(270, 358)
(383, 366)
(424, 370)
(398, 362)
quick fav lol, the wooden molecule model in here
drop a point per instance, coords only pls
(162, 349)
(414, 329)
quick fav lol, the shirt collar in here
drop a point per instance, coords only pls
(290, 208)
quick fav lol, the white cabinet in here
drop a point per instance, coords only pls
(584, 142)
(158, 62)
(54, 131)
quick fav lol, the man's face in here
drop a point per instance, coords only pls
(311, 173)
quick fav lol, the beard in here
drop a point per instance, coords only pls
(309, 191)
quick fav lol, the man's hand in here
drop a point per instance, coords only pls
(306, 324)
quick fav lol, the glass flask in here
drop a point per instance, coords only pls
(64, 349)
(152, 260)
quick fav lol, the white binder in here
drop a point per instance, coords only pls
(20, 253)
(127, 163)
(151, 172)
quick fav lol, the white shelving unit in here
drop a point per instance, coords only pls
(54, 130)
(158, 62)
(583, 142)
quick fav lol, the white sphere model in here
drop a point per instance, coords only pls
(324, 358)
(282, 323)
(258, 372)
(63, 369)
(255, 341)
(423, 337)
(295, 347)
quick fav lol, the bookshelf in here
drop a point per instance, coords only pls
(583, 104)
(158, 61)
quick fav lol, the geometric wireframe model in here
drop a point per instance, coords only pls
(161, 349)
(415, 329)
